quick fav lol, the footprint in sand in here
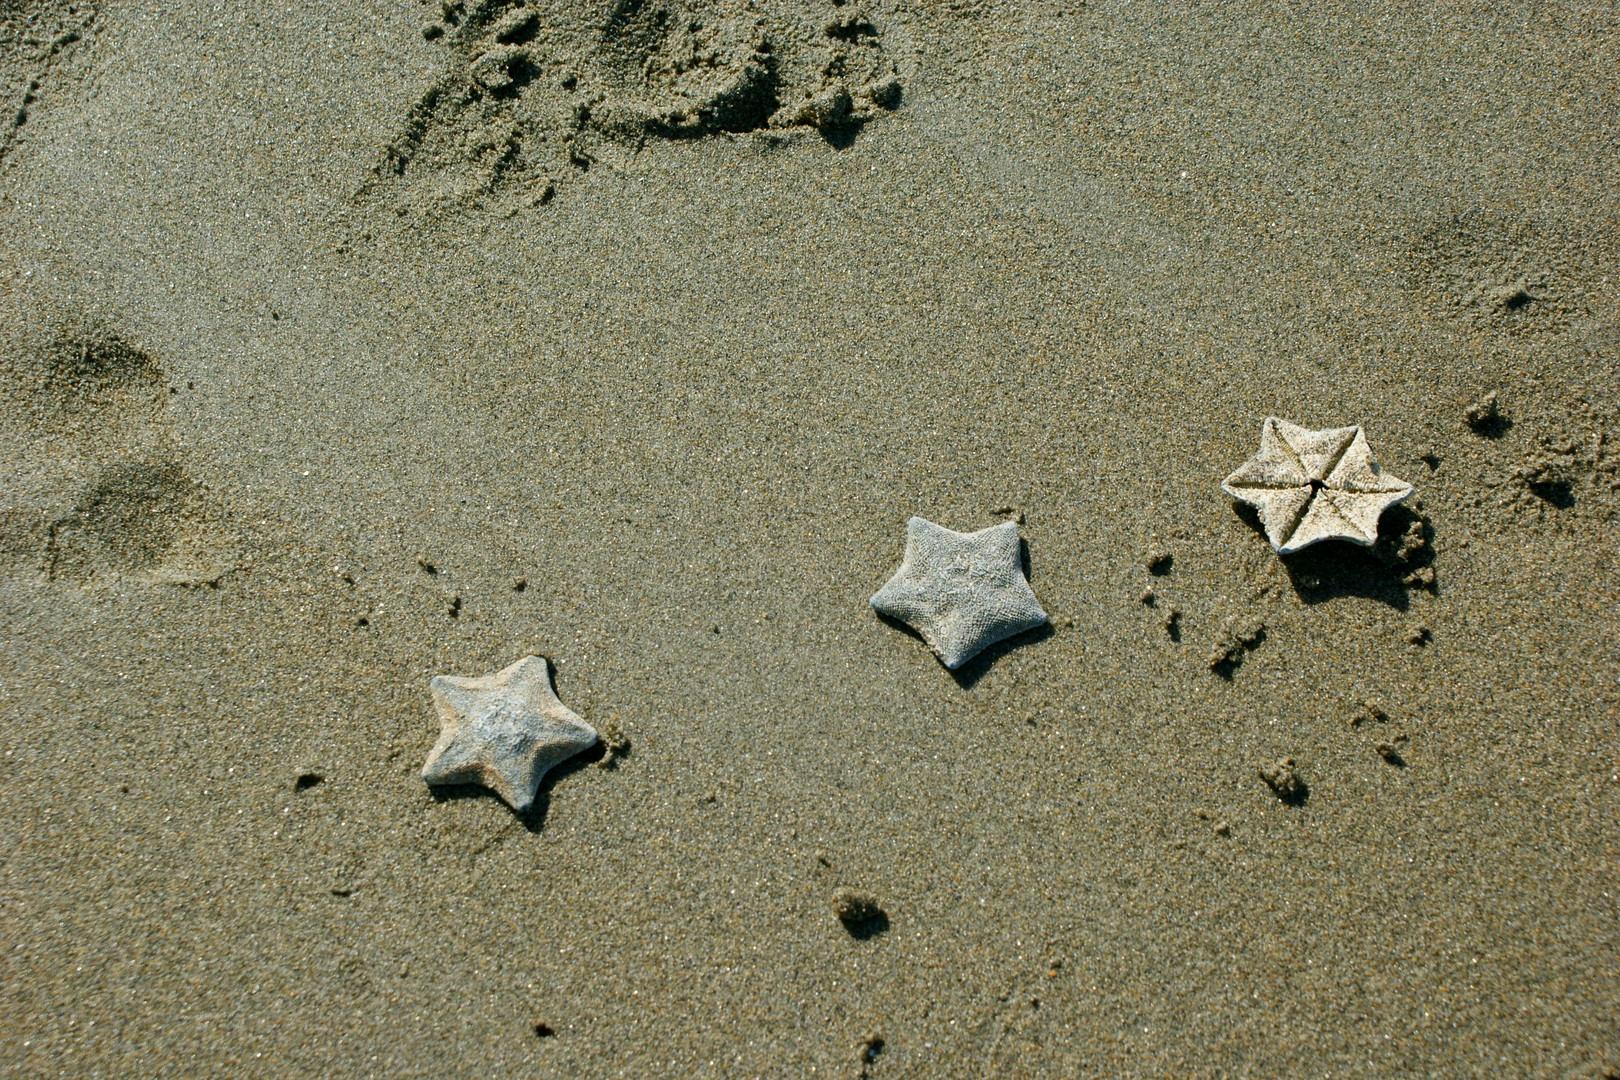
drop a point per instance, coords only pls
(95, 490)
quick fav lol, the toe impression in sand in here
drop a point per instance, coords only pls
(1311, 486)
(503, 731)
(963, 592)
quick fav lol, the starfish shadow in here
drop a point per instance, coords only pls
(1335, 568)
(972, 671)
(534, 818)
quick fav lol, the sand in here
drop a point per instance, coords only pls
(688, 377)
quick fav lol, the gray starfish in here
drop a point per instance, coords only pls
(504, 731)
(1311, 486)
(963, 592)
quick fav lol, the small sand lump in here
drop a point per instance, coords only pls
(1484, 412)
(1239, 635)
(855, 908)
(1283, 778)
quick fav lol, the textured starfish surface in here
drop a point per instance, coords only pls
(1311, 486)
(503, 731)
(963, 592)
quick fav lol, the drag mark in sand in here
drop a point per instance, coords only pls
(503, 731)
(962, 592)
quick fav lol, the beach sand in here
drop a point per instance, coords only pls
(314, 346)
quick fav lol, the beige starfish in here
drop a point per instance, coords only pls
(1311, 486)
(504, 731)
(963, 592)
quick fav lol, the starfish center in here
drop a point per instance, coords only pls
(1317, 485)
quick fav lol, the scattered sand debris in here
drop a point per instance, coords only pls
(1390, 749)
(1507, 273)
(1366, 712)
(615, 743)
(1158, 561)
(1407, 546)
(530, 88)
(867, 1049)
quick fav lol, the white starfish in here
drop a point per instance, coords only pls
(504, 731)
(1315, 485)
(963, 592)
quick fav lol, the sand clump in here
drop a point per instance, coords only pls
(1486, 417)
(1283, 778)
(1238, 635)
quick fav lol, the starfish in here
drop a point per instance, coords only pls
(1315, 485)
(504, 731)
(963, 592)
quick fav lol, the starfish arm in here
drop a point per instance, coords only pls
(444, 765)
(1358, 471)
(456, 698)
(928, 547)
(904, 597)
(1318, 452)
(968, 637)
(530, 677)
(458, 759)
(568, 732)
(1000, 550)
(1325, 520)
(1280, 509)
(1275, 465)
(1363, 509)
